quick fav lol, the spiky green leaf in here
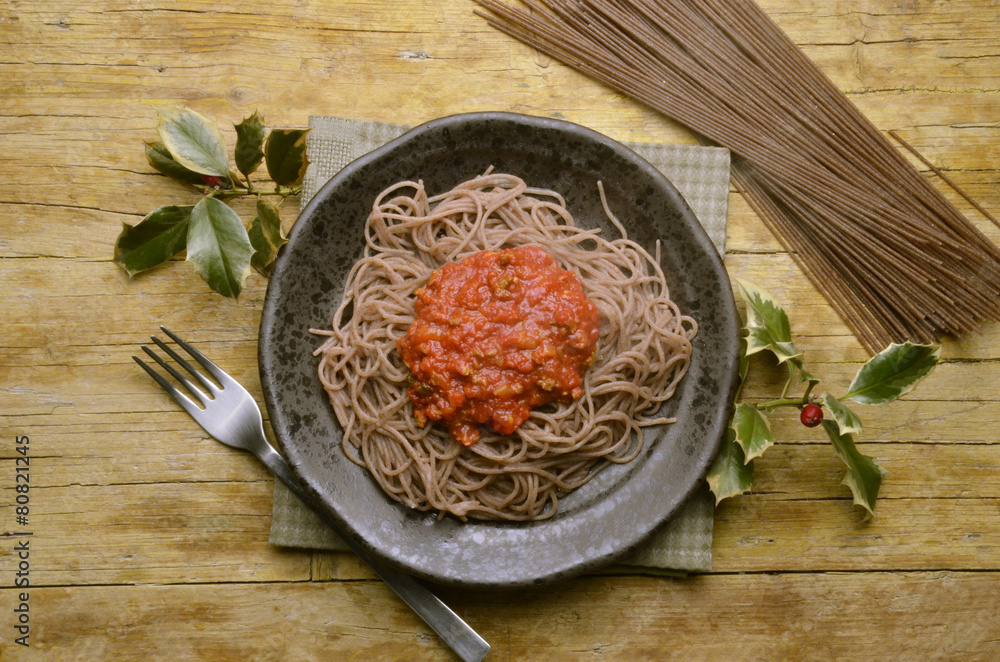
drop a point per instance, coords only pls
(730, 474)
(767, 323)
(847, 421)
(753, 432)
(893, 372)
(194, 141)
(266, 235)
(864, 475)
(285, 155)
(804, 375)
(218, 246)
(153, 240)
(160, 158)
(250, 135)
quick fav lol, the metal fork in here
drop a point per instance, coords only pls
(231, 416)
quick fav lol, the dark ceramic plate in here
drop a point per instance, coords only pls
(605, 519)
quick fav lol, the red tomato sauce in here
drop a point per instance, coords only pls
(496, 335)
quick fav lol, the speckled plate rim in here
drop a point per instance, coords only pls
(492, 554)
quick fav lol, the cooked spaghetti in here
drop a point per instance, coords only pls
(643, 353)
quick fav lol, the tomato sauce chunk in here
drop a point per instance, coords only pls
(494, 336)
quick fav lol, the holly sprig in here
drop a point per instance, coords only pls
(891, 373)
(193, 151)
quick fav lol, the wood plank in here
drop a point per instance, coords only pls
(932, 615)
(94, 230)
(875, 21)
(764, 533)
(165, 445)
(152, 533)
(938, 510)
(504, 69)
(822, 532)
(802, 471)
(124, 307)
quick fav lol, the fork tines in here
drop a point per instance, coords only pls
(180, 397)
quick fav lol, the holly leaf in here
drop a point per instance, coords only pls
(250, 134)
(804, 375)
(160, 158)
(218, 246)
(864, 475)
(194, 141)
(730, 474)
(285, 153)
(753, 432)
(265, 235)
(153, 240)
(767, 323)
(847, 421)
(893, 372)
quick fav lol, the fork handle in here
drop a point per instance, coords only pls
(450, 627)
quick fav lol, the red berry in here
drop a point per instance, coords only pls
(211, 180)
(812, 415)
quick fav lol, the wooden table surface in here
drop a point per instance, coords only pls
(150, 540)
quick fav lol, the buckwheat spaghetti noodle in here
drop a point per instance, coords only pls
(643, 353)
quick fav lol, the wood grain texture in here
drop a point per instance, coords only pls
(150, 539)
(930, 615)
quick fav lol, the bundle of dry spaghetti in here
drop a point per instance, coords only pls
(891, 254)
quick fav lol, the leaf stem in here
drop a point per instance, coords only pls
(237, 192)
(784, 401)
(781, 402)
(809, 387)
(788, 382)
